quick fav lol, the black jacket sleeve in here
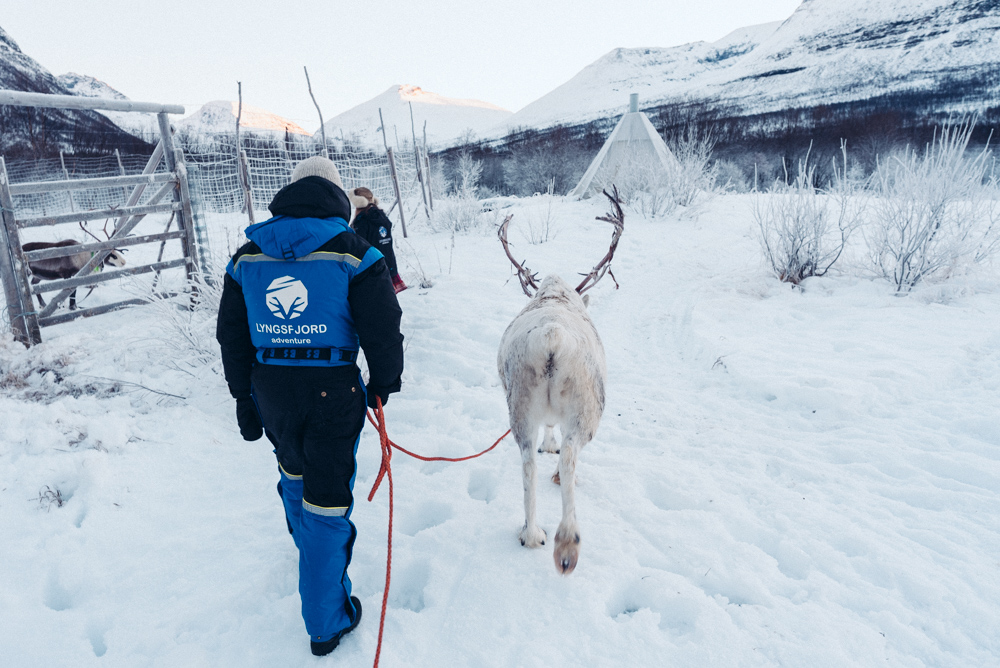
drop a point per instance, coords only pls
(376, 316)
(233, 334)
(367, 226)
(386, 248)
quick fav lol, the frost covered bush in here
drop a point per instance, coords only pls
(643, 185)
(650, 189)
(695, 174)
(539, 220)
(186, 326)
(803, 231)
(936, 210)
(729, 177)
(461, 211)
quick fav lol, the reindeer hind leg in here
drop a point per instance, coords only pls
(567, 545)
(525, 432)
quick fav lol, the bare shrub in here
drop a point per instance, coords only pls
(406, 253)
(47, 497)
(803, 231)
(539, 220)
(695, 174)
(461, 211)
(653, 189)
(936, 210)
(729, 177)
(185, 335)
(644, 185)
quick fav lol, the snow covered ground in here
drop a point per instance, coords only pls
(782, 477)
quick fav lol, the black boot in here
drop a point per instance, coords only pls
(324, 648)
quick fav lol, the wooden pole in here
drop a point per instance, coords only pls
(381, 122)
(150, 168)
(395, 186)
(322, 127)
(62, 161)
(244, 167)
(187, 214)
(239, 115)
(416, 158)
(430, 193)
(33, 187)
(16, 98)
(121, 170)
(427, 165)
(14, 271)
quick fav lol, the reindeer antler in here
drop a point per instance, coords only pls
(87, 230)
(616, 218)
(523, 275)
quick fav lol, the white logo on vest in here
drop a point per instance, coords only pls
(287, 297)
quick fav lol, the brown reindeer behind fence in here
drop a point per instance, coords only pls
(67, 266)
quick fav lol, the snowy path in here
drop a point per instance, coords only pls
(781, 478)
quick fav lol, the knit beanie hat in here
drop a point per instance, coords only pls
(317, 166)
(362, 197)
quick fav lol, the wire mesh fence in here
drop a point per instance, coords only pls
(215, 183)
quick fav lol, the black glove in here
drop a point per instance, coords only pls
(374, 393)
(248, 419)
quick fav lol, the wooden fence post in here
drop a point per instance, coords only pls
(416, 159)
(395, 186)
(186, 213)
(244, 167)
(427, 165)
(121, 170)
(62, 161)
(430, 193)
(14, 271)
(181, 193)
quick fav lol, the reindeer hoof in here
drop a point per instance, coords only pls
(556, 479)
(567, 552)
(533, 538)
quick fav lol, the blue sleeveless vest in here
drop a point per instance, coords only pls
(296, 294)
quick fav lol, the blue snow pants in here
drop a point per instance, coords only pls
(314, 416)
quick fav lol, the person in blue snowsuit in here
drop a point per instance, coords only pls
(297, 302)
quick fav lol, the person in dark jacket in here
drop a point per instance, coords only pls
(298, 300)
(375, 228)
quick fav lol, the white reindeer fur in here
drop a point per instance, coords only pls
(552, 366)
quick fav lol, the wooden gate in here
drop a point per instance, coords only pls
(172, 196)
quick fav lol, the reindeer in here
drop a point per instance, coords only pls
(67, 266)
(552, 367)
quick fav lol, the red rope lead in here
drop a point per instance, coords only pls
(385, 471)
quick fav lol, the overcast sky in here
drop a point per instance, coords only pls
(508, 52)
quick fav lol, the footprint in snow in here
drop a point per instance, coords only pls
(424, 516)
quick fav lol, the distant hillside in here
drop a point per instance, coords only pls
(29, 132)
(918, 57)
(448, 119)
(219, 117)
(140, 124)
(878, 74)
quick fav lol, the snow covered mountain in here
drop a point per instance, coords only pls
(41, 132)
(940, 56)
(602, 88)
(219, 117)
(448, 119)
(140, 124)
